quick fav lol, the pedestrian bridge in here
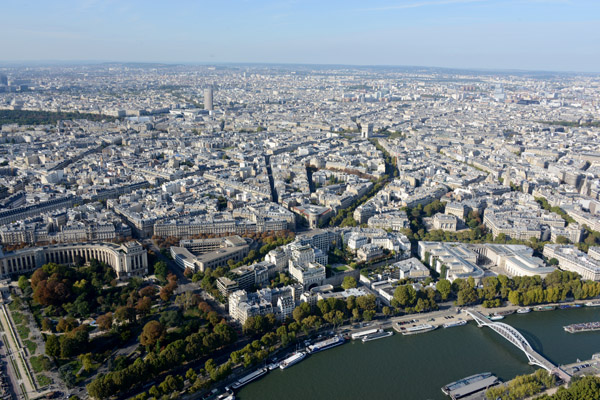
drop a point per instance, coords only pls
(516, 338)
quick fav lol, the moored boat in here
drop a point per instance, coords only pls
(595, 303)
(249, 378)
(361, 334)
(455, 389)
(505, 312)
(293, 359)
(273, 366)
(567, 306)
(495, 317)
(453, 324)
(544, 308)
(524, 310)
(421, 328)
(326, 344)
(378, 335)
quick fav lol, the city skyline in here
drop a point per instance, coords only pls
(543, 35)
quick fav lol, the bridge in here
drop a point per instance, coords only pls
(516, 338)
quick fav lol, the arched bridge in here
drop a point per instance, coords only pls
(516, 338)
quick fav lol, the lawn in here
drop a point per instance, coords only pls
(18, 318)
(43, 380)
(341, 268)
(23, 332)
(31, 346)
(40, 364)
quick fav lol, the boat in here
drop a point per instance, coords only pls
(326, 344)
(524, 310)
(453, 324)
(273, 366)
(544, 308)
(505, 312)
(361, 334)
(293, 359)
(583, 327)
(470, 385)
(249, 378)
(495, 317)
(421, 328)
(378, 335)
(567, 306)
(595, 303)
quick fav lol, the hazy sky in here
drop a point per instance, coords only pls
(505, 34)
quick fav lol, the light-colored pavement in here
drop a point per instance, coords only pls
(16, 355)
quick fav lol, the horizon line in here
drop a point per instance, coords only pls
(5, 63)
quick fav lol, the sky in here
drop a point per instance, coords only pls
(547, 35)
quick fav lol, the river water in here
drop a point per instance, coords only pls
(417, 366)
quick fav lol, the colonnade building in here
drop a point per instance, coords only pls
(128, 259)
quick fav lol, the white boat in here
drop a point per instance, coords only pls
(326, 344)
(524, 310)
(361, 334)
(294, 359)
(378, 335)
(593, 303)
(273, 366)
(249, 378)
(495, 317)
(453, 324)
(412, 330)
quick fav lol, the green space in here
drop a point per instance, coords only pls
(522, 386)
(584, 388)
(18, 318)
(40, 363)
(23, 117)
(31, 346)
(23, 332)
(341, 268)
(43, 380)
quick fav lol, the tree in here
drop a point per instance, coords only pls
(405, 295)
(161, 269)
(52, 346)
(349, 282)
(46, 325)
(301, 312)
(191, 375)
(143, 306)
(466, 296)
(105, 321)
(38, 276)
(152, 333)
(444, 287)
(125, 314)
(23, 283)
(167, 291)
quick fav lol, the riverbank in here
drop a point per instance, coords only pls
(419, 365)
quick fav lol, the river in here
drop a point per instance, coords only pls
(417, 366)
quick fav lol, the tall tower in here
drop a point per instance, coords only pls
(208, 98)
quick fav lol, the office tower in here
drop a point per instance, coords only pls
(208, 98)
(3, 79)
